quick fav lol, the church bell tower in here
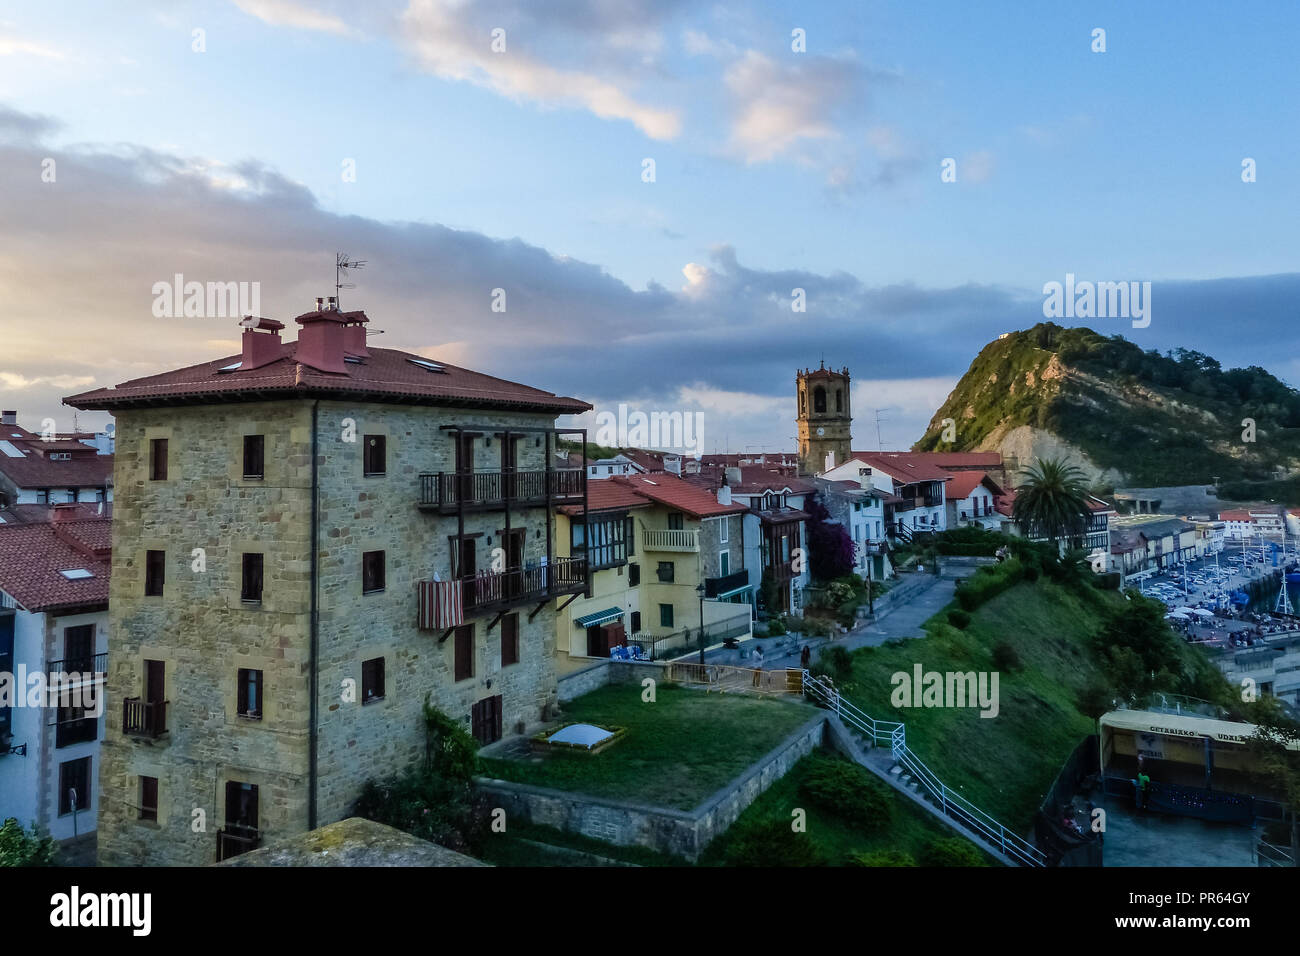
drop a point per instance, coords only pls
(825, 419)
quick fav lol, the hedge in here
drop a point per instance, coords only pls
(988, 583)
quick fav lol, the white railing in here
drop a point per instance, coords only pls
(676, 540)
(953, 805)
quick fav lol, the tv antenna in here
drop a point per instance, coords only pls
(341, 265)
(879, 445)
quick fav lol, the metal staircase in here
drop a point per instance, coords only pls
(917, 777)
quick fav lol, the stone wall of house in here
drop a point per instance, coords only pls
(663, 829)
(205, 634)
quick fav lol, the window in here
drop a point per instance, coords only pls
(75, 724)
(633, 575)
(250, 693)
(666, 572)
(372, 571)
(74, 785)
(839, 400)
(675, 521)
(158, 459)
(43, 496)
(603, 542)
(509, 640)
(629, 535)
(722, 533)
(155, 571)
(251, 588)
(254, 456)
(636, 622)
(149, 798)
(724, 563)
(819, 399)
(665, 615)
(464, 652)
(376, 454)
(372, 680)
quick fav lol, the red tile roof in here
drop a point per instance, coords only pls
(32, 555)
(965, 482)
(27, 514)
(605, 494)
(756, 479)
(679, 494)
(385, 375)
(953, 459)
(36, 471)
(1235, 515)
(906, 467)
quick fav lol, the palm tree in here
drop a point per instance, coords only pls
(1051, 501)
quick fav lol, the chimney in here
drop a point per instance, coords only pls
(63, 511)
(724, 495)
(733, 476)
(320, 340)
(8, 418)
(334, 303)
(673, 465)
(354, 333)
(260, 347)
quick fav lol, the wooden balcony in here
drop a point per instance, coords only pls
(96, 666)
(232, 840)
(142, 718)
(489, 592)
(448, 492)
(676, 540)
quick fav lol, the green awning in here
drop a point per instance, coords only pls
(600, 617)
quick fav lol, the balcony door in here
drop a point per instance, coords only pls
(79, 649)
(514, 547)
(510, 467)
(466, 568)
(155, 695)
(464, 466)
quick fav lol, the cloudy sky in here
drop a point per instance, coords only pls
(461, 147)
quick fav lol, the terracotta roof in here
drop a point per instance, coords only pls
(28, 514)
(756, 479)
(606, 494)
(649, 460)
(32, 555)
(782, 516)
(1235, 515)
(907, 467)
(37, 471)
(965, 482)
(953, 459)
(384, 375)
(679, 494)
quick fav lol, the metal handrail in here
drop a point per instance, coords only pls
(952, 803)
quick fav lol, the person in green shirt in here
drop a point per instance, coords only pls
(1142, 782)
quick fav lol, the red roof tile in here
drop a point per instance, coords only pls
(907, 467)
(605, 494)
(31, 557)
(36, 471)
(965, 482)
(679, 494)
(953, 459)
(385, 375)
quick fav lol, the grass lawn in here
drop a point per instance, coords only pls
(677, 750)
(1004, 764)
(909, 831)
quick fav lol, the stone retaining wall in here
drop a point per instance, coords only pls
(683, 833)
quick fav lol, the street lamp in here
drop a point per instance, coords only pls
(699, 589)
(7, 748)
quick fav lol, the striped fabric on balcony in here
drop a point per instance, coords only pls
(440, 605)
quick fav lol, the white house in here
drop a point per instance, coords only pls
(36, 471)
(919, 483)
(618, 466)
(54, 621)
(969, 499)
(777, 500)
(860, 507)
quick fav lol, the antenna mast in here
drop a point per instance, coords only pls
(341, 265)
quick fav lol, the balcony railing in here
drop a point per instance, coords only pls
(485, 490)
(725, 584)
(143, 718)
(96, 664)
(232, 840)
(77, 731)
(676, 540)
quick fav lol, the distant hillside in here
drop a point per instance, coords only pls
(1127, 416)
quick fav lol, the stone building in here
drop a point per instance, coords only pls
(825, 419)
(309, 540)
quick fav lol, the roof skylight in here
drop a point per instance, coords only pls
(426, 365)
(76, 574)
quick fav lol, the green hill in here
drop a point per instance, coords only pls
(1126, 415)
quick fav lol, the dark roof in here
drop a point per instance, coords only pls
(36, 471)
(32, 555)
(677, 493)
(385, 375)
(84, 510)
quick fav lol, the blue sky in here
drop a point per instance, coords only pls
(773, 169)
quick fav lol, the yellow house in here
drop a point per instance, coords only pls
(664, 555)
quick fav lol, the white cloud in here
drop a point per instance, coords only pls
(16, 382)
(11, 45)
(977, 167)
(453, 40)
(286, 13)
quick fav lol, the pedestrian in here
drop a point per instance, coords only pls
(805, 657)
(1142, 782)
(758, 664)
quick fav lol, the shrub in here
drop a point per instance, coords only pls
(882, 858)
(988, 583)
(815, 627)
(1005, 657)
(959, 619)
(771, 843)
(847, 791)
(19, 847)
(950, 851)
(776, 626)
(835, 660)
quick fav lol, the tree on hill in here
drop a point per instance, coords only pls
(1051, 501)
